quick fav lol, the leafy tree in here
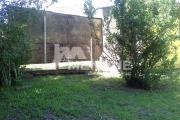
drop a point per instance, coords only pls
(15, 46)
(90, 11)
(145, 34)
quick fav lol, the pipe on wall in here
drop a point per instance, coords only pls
(45, 55)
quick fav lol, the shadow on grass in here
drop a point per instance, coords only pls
(81, 97)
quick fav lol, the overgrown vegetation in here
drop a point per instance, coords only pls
(15, 48)
(145, 34)
(81, 97)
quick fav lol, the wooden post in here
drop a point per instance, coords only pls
(56, 53)
(93, 54)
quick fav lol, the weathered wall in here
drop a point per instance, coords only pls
(66, 30)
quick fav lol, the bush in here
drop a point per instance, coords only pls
(145, 34)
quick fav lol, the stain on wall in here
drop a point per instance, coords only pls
(66, 30)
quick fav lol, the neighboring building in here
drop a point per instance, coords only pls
(106, 12)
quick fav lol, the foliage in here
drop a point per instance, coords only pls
(90, 11)
(15, 46)
(145, 34)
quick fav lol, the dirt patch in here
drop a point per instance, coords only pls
(49, 115)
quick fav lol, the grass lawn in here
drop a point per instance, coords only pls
(79, 97)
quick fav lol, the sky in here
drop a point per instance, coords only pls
(75, 7)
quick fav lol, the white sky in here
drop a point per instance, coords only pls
(96, 3)
(75, 6)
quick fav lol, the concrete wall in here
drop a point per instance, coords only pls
(112, 27)
(66, 30)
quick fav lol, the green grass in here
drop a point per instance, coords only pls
(80, 97)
